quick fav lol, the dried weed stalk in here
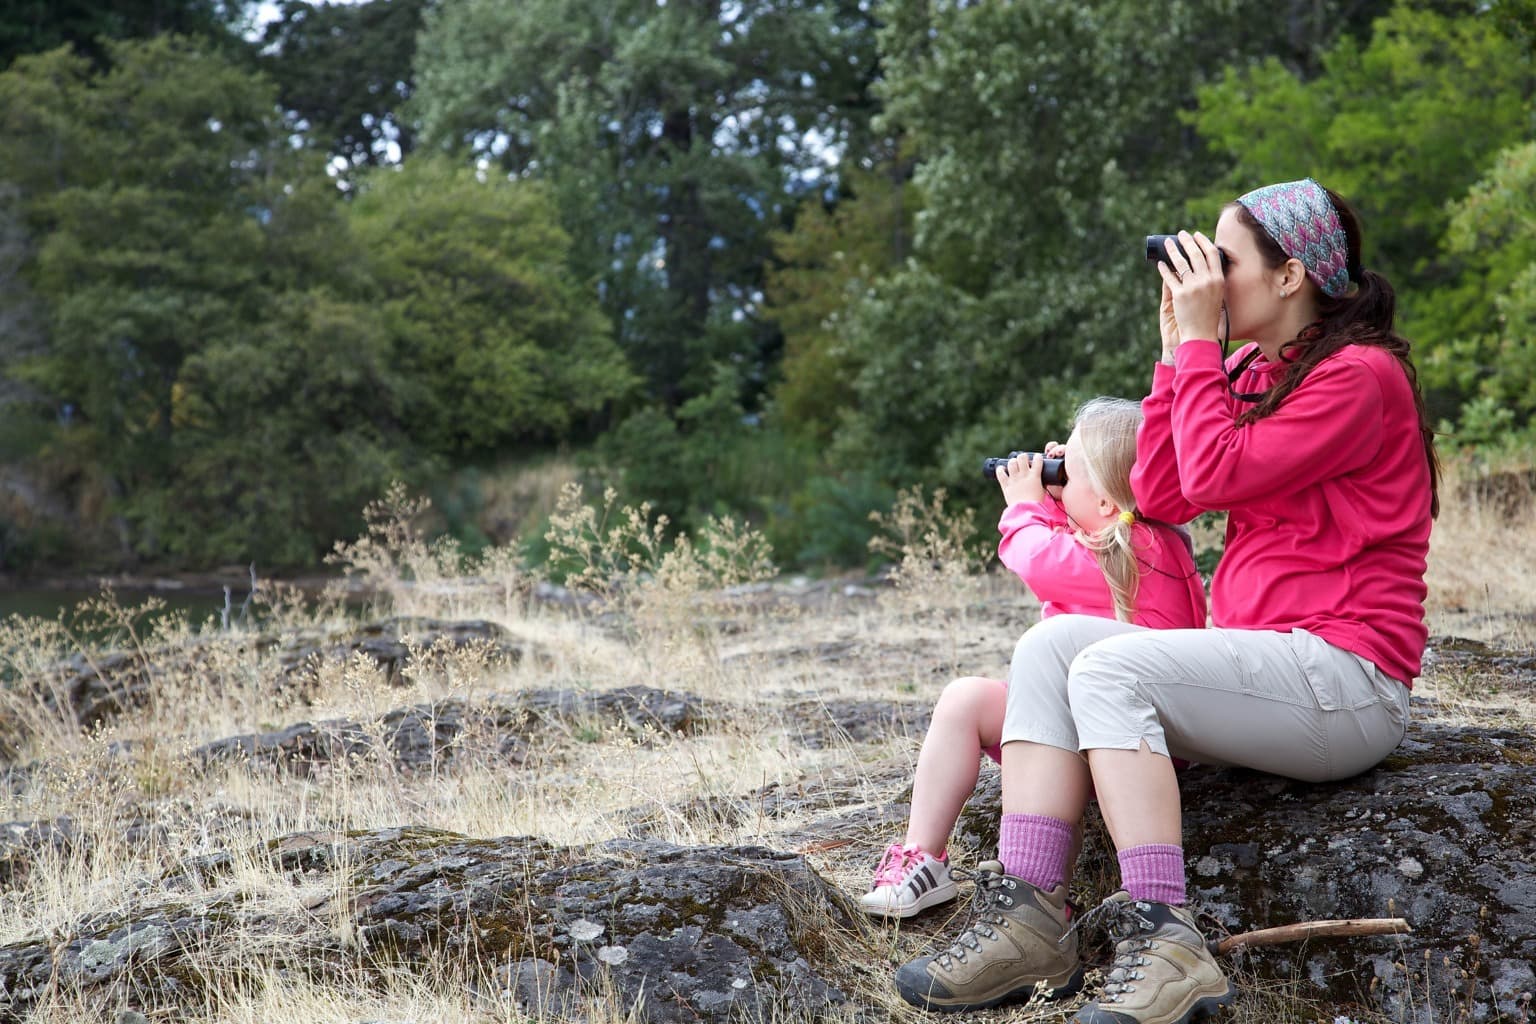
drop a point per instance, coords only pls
(938, 567)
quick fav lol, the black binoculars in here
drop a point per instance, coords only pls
(1157, 250)
(1053, 472)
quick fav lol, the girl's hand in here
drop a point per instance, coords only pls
(1020, 480)
(1193, 287)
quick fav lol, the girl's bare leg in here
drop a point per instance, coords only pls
(967, 719)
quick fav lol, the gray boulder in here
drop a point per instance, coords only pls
(1440, 834)
(686, 934)
(435, 734)
(93, 689)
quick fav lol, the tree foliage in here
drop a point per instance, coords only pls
(35, 26)
(197, 352)
(243, 357)
(499, 344)
(834, 253)
(345, 71)
(673, 136)
(681, 232)
(1494, 229)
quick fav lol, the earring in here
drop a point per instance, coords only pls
(1284, 294)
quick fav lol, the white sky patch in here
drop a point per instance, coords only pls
(264, 12)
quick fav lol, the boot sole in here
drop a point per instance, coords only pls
(1204, 1008)
(925, 1000)
(1209, 1006)
(932, 898)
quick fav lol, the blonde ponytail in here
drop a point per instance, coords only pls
(1105, 431)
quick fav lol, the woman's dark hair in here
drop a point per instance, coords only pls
(1363, 316)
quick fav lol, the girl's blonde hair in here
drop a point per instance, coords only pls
(1106, 445)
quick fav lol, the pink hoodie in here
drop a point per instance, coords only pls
(1328, 498)
(1063, 572)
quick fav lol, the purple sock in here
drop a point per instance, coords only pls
(1154, 873)
(1035, 848)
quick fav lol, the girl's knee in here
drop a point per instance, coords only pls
(970, 696)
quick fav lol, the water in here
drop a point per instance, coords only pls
(49, 602)
(201, 604)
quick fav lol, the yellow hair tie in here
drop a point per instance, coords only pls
(1128, 518)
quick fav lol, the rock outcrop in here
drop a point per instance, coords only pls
(435, 734)
(93, 690)
(1440, 834)
(685, 934)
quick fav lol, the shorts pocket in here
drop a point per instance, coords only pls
(1247, 666)
(1338, 678)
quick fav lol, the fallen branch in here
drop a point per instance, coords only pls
(1313, 930)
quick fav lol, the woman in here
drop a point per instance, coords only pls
(1315, 440)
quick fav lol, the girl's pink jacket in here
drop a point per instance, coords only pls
(1328, 499)
(1063, 572)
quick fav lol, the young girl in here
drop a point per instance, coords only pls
(1080, 548)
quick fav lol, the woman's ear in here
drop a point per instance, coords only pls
(1291, 276)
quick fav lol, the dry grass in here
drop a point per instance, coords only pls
(697, 617)
(1482, 562)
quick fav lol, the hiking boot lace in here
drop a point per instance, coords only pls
(1131, 931)
(983, 916)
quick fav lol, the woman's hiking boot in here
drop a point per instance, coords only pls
(1017, 945)
(1164, 973)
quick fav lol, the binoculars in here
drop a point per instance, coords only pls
(1053, 472)
(1157, 250)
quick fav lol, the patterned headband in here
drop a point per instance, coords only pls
(1299, 216)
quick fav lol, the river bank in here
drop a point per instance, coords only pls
(199, 594)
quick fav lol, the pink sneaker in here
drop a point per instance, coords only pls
(908, 881)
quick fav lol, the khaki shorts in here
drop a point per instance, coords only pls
(1286, 703)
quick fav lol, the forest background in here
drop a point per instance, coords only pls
(776, 260)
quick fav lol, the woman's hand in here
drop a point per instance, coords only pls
(1020, 480)
(1167, 323)
(1193, 287)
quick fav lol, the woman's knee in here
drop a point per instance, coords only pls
(1050, 646)
(1098, 665)
(1050, 634)
(1098, 677)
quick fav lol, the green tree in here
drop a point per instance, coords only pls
(673, 136)
(1402, 124)
(344, 70)
(500, 343)
(835, 251)
(34, 26)
(1494, 229)
(281, 436)
(202, 350)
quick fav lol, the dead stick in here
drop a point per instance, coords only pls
(1314, 930)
